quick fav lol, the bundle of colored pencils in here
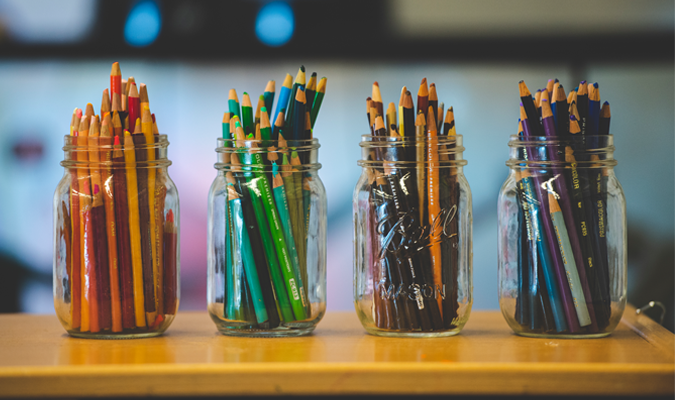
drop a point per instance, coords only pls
(122, 247)
(563, 269)
(414, 200)
(264, 252)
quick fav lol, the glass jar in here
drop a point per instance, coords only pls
(267, 238)
(116, 238)
(562, 238)
(412, 237)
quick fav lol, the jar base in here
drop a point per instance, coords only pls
(262, 333)
(400, 334)
(115, 336)
(564, 335)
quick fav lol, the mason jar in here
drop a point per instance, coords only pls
(267, 238)
(116, 238)
(412, 237)
(562, 238)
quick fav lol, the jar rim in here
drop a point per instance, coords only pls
(520, 141)
(228, 145)
(72, 149)
(589, 151)
(69, 146)
(382, 141)
(411, 164)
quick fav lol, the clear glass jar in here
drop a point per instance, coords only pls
(412, 237)
(562, 238)
(267, 238)
(116, 238)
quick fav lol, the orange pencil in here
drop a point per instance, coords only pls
(108, 199)
(90, 279)
(76, 247)
(433, 186)
(105, 104)
(85, 201)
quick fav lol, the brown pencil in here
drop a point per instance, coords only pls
(146, 240)
(120, 196)
(377, 99)
(99, 226)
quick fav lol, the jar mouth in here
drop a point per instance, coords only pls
(411, 164)
(272, 152)
(372, 141)
(591, 142)
(400, 152)
(106, 143)
(236, 146)
(578, 151)
(80, 149)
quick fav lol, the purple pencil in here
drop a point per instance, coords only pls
(548, 123)
(558, 268)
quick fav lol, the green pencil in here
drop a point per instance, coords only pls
(299, 224)
(247, 114)
(318, 99)
(291, 281)
(265, 128)
(280, 199)
(310, 91)
(299, 83)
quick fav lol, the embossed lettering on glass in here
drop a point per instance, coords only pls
(412, 238)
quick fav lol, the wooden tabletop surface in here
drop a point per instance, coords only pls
(37, 358)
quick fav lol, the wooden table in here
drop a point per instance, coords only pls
(37, 358)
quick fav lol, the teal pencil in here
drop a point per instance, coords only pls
(268, 96)
(226, 125)
(233, 104)
(568, 260)
(244, 246)
(232, 292)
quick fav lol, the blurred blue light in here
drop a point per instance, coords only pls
(143, 24)
(275, 24)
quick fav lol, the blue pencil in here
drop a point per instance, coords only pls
(284, 96)
(593, 123)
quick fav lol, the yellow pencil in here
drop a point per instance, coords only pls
(134, 229)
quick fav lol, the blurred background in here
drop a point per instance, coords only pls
(55, 55)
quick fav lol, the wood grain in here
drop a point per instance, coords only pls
(37, 358)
